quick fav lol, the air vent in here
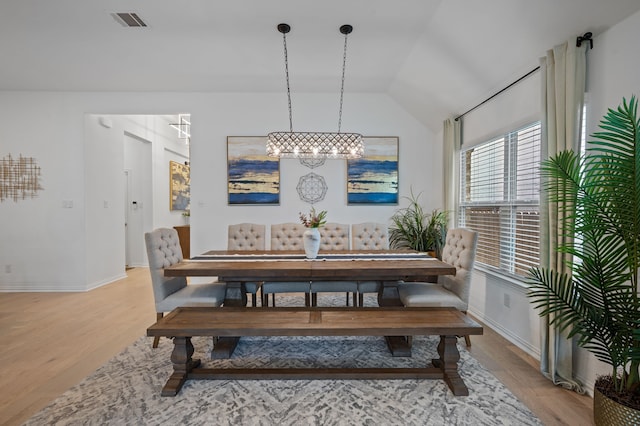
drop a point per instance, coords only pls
(128, 19)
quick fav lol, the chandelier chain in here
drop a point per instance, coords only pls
(344, 65)
(286, 71)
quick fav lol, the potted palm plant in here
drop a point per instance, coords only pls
(598, 302)
(413, 228)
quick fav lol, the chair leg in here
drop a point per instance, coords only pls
(361, 299)
(314, 299)
(467, 340)
(347, 299)
(254, 300)
(156, 339)
(355, 297)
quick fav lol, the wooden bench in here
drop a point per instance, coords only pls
(184, 323)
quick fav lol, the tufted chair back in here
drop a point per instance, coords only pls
(163, 250)
(287, 236)
(334, 236)
(369, 236)
(246, 236)
(460, 251)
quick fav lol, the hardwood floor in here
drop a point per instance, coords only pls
(51, 341)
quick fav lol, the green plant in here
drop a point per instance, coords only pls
(315, 220)
(598, 195)
(412, 228)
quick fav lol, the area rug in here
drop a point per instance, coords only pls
(126, 390)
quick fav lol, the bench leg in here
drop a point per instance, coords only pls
(182, 365)
(448, 363)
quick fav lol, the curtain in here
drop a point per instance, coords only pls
(451, 152)
(563, 73)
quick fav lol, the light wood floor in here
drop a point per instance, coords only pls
(51, 341)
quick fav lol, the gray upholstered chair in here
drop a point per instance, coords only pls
(249, 237)
(369, 236)
(163, 250)
(333, 236)
(460, 251)
(286, 236)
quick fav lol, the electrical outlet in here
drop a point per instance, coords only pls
(507, 300)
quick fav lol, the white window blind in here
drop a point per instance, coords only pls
(500, 199)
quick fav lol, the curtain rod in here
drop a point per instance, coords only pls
(496, 94)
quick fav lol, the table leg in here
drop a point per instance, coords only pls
(236, 294)
(389, 296)
(448, 363)
(182, 365)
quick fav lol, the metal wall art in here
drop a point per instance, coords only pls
(252, 176)
(312, 162)
(179, 186)
(312, 188)
(19, 178)
(373, 179)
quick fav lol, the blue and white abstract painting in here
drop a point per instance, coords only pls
(252, 176)
(373, 179)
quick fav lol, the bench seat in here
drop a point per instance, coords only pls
(392, 322)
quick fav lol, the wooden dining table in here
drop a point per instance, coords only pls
(238, 267)
(235, 268)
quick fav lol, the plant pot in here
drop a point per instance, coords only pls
(311, 239)
(607, 412)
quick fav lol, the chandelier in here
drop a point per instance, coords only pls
(314, 144)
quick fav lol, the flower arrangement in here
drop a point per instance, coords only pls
(315, 220)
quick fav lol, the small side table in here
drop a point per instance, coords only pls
(184, 235)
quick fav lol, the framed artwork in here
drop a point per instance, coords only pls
(252, 176)
(180, 186)
(373, 179)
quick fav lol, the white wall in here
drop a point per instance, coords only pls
(58, 249)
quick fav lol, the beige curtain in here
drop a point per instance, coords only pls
(563, 73)
(450, 175)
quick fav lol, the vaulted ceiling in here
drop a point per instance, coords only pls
(436, 58)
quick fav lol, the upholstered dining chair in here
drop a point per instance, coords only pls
(460, 251)
(333, 236)
(249, 237)
(369, 236)
(163, 250)
(286, 236)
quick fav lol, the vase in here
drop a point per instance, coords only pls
(311, 238)
(607, 412)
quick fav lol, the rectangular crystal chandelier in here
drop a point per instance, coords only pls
(314, 144)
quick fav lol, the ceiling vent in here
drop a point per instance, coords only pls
(129, 19)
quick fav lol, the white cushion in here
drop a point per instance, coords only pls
(369, 236)
(246, 236)
(287, 236)
(334, 236)
(429, 295)
(194, 295)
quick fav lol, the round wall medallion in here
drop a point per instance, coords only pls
(312, 188)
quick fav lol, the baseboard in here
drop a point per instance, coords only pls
(56, 287)
(507, 334)
(106, 281)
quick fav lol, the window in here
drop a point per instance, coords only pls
(500, 199)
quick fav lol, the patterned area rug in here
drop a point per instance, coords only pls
(126, 390)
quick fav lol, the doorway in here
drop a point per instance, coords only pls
(138, 198)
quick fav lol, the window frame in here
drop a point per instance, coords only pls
(511, 211)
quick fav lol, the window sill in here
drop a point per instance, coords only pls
(506, 279)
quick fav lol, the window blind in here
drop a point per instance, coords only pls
(500, 199)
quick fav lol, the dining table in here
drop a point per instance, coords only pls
(236, 267)
(389, 267)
